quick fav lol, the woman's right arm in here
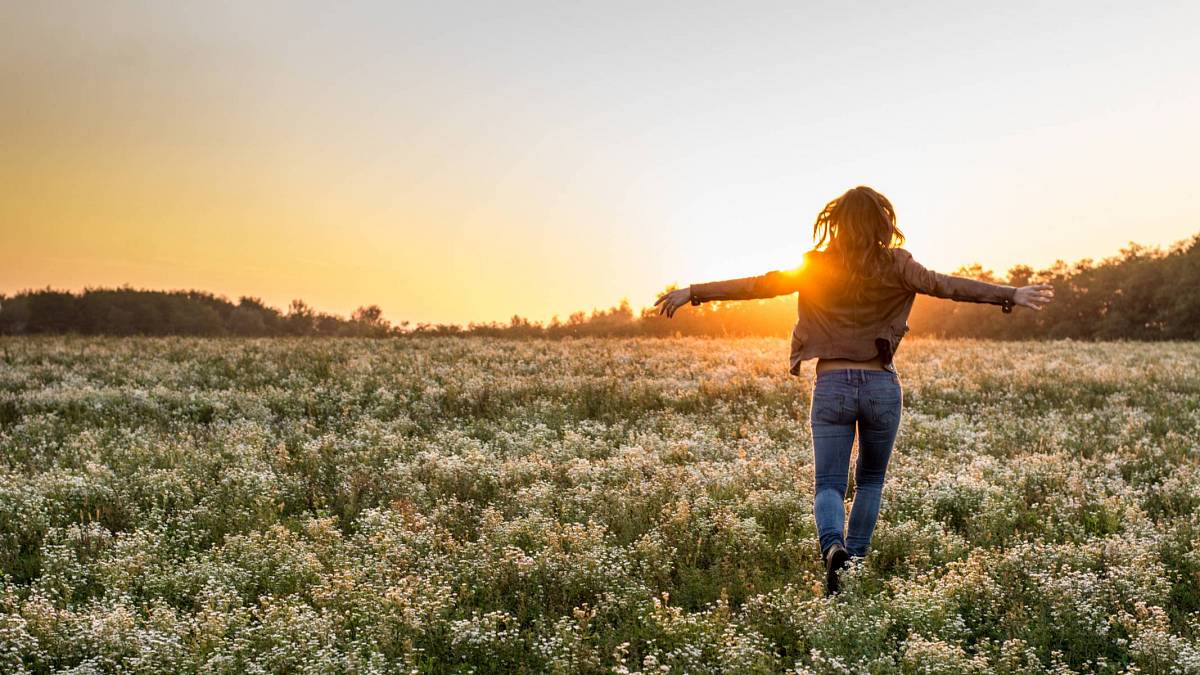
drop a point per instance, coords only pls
(766, 285)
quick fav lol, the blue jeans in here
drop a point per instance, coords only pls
(842, 399)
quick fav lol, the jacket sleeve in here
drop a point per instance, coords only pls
(919, 279)
(767, 285)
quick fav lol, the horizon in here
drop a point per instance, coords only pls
(397, 322)
(458, 164)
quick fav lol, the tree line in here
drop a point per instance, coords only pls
(1142, 293)
(129, 311)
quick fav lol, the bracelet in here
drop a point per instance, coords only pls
(1007, 306)
(692, 298)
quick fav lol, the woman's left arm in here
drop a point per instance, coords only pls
(920, 279)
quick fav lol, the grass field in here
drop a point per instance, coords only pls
(466, 505)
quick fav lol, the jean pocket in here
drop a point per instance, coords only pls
(886, 409)
(827, 408)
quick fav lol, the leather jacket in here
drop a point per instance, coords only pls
(857, 321)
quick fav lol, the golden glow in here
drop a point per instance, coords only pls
(519, 164)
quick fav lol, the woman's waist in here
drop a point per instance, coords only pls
(825, 364)
(855, 373)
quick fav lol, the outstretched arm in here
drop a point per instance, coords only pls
(766, 285)
(922, 280)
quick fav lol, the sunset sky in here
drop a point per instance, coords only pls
(467, 161)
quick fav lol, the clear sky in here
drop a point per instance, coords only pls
(468, 161)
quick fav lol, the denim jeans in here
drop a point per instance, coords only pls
(842, 400)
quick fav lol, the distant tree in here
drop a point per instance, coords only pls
(301, 319)
(247, 322)
(128, 311)
(368, 321)
(14, 315)
(52, 312)
(327, 325)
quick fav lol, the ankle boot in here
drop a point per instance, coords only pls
(835, 560)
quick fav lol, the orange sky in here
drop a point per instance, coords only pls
(458, 163)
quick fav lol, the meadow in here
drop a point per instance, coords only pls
(595, 505)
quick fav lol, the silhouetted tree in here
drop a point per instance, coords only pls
(369, 321)
(126, 311)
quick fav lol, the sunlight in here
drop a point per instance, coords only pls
(717, 264)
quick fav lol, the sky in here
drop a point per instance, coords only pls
(457, 162)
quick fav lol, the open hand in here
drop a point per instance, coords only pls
(673, 301)
(1034, 297)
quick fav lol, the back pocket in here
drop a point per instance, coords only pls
(827, 408)
(886, 409)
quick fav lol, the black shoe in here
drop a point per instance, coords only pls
(835, 560)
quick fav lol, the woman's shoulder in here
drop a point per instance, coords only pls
(901, 259)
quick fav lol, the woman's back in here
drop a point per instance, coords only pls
(854, 315)
(842, 315)
(848, 302)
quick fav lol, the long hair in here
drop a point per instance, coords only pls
(858, 229)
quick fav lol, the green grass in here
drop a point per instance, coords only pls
(473, 505)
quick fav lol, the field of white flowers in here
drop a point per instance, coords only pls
(489, 506)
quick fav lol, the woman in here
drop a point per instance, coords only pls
(855, 290)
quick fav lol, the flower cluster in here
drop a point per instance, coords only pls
(450, 504)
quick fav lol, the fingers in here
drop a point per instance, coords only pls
(666, 303)
(1035, 296)
(1041, 292)
(669, 302)
(1035, 303)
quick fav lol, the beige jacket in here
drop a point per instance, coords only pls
(835, 320)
